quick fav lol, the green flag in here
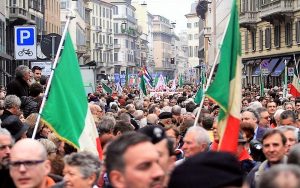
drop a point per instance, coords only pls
(66, 110)
(180, 81)
(155, 80)
(261, 85)
(106, 88)
(143, 85)
(198, 96)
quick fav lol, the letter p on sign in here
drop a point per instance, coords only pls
(26, 36)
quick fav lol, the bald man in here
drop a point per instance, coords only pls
(29, 166)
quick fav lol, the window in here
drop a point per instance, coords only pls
(116, 28)
(277, 36)
(288, 34)
(190, 37)
(268, 38)
(190, 51)
(253, 39)
(261, 39)
(196, 24)
(246, 41)
(189, 25)
(298, 32)
(196, 36)
(196, 51)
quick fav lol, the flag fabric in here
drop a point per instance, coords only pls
(226, 88)
(160, 86)
(173, 87)
(262, 87)
(106, 88)
(66, 110)
(198, 96)
(119, 88)
(295, 86)
(156, 80)
(180, 81)
(143, 86)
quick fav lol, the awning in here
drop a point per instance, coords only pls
(257, 70)
(272, 64)
(250, 62)
(278, 70)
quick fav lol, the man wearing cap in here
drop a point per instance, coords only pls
(165, 119)
(16, 128)
(164, 147)
(6, 142)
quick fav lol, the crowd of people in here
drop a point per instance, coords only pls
(150, 141)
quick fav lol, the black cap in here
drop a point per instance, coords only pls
(155, 132)
(165, 115)
(15, 126)
(208, 170)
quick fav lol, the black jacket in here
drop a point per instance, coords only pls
(18, 87)
(29, 105)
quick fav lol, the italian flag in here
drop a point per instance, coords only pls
(226, 88)
(66, 110)
(295, 86)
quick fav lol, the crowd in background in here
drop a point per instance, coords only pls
(150, 141)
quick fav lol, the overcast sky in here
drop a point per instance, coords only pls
(174, 10)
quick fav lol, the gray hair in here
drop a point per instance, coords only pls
(21, 71)
(271, 178)
(201, 135)
(49, 145)
(286, 128)
(139, 105)
(254, 113)
(138, 114)
(11, 101)
(86, 162)
(5, 132)
(176, 110)
(294, 155)
(125, 117)
(260, 110)
(106, 125)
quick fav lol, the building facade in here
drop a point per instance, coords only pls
(126, 54)
(52, 17)
(270, 40)
(163, 45)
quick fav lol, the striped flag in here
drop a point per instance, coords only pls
(226, 88)
(66, 110)
(295, 86)
(106, 88)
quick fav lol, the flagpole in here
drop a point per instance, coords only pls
(285, 80)
(51, 75)
(210, 76)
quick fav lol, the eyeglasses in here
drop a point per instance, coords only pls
(27, 164)
(268, 117)
(2, 147)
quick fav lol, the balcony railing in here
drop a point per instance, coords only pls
(276, 7)
(248, 17)
(16, 12)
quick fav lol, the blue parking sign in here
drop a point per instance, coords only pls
(25, 42)
(25, 36)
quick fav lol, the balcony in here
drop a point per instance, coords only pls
(98, 29)
(248, 19)
(109, 47)
(18, 13)
(276, 10)
(99, 45)
(81, 49)
(109, 31)
(117, 46)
